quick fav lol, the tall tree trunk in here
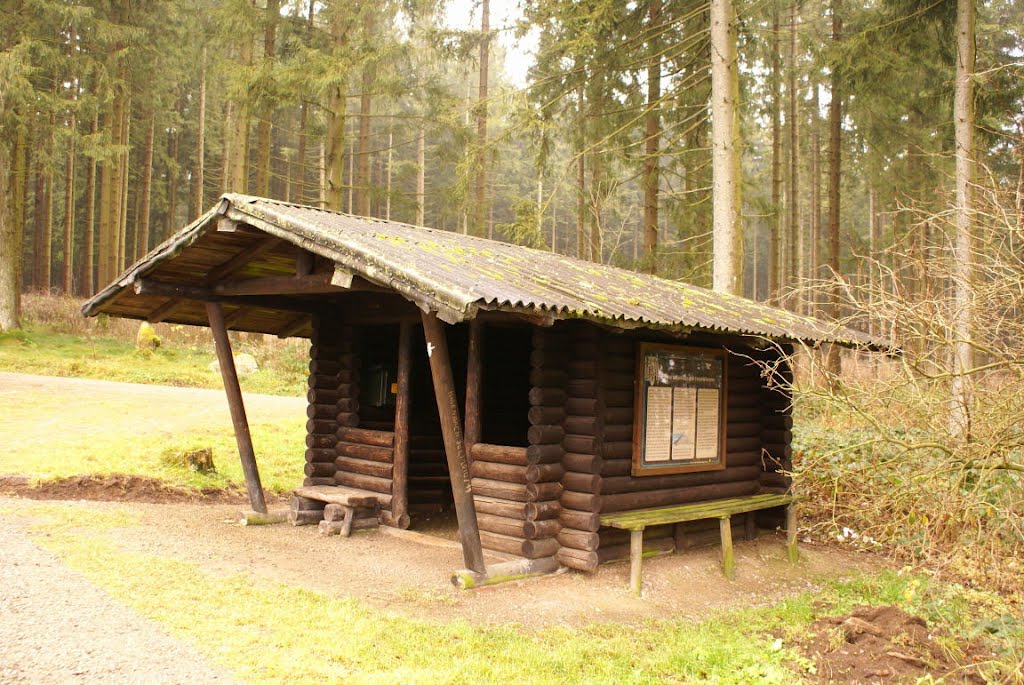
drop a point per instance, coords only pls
(199, 202)
(10, 251)
(815, 183)
(581, 178)
(273, 15)
(335, 151)
(725, 157)
(835, 122)
(776, 273)
(796, 242)
(172, 183)
(421, 178)
(239, 179)
(40, 227)
(874, 274)
(596, 205)
(364, 185)
(67, 272)
(652, 143)
(481, 213)
(88, 281)
(387, 196)
(299, 181)
(18, 184)
(147, 186)
(122, 192)
(963, 250)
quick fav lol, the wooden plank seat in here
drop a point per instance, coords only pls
(346, 509)
(636, 521)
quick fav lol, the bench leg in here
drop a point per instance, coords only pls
(728, 563)
(794, 554)
(636, 560)
(346, 523)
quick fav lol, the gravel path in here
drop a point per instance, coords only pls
(56, 627)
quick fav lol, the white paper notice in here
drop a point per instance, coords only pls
(707, 432)
(657, 445)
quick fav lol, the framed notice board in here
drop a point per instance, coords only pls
(680, 410)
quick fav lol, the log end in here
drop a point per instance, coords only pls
(505, 572)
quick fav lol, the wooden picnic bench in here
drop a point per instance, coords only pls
(636, 521)
(346, 509)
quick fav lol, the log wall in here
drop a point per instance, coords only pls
(332, 377)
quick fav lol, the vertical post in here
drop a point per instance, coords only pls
(728, 563)
(227, 372)
(474, 385)
(636, 560)
(794, 553)
(454, 446)
(400, 472)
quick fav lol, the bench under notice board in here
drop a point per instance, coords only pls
(636, 521)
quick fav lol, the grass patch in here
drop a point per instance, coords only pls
(39, 349)
(279, 447)
(277, 633)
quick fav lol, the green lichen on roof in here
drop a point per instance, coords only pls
(460, 275)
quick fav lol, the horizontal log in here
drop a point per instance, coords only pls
(582, 387)
(577, 559)
(321, 441)
(580, 501)
(321, 395)
(547, 397)
(500, 507)
(515, 569)
(744, 414)
(620, 449)
(336, 512)
(362, 436)
(613, 536)
(347, 405)
(778, 452)
(545, 434)
(618, 380)
(320, 454)
(515, 492)
(625, 484)
(618, 398)
(530, 549)
(582, 463)
(747, 458)
(540, 492)
(374, 425)
(777, 421)
(774, 479)
(499, 454)
(509, 473)
(321, 365)
(328, 528)
(348, 376)
(583, 425)
(321, 426)
(543, 510)
(323, 382)
(742, 444)
(348, 449)
(541, 528)
(544, 473)
(347, 419)
(546, 415)
(356, 480)
(317, 480)
(662, 498)
(579, 539)
(582, 444)
(589, 521)
(776, 437)
(306, 517)
(618, 433)
(319, 469)
(365, 467)
(554, 358)
(334, 349)
(743, 430)
(544, 454)
(321, 411)
(401, 521)
(616, 467)
(503, 525)
(620, 416)
(548, 377)
(581, 482)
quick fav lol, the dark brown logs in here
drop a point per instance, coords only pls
(321, 411)
(530, 549)
(400, 454)
(505, 472)
(318, 480)
(499, 454)
(364, 467)
(322, 396)
(588, 521)
(742, 444)
(583, 444)
(546, 509)
(662, 498)
(357, 480)
(544, 454)
(500, 507)
(547, 397)
(474, 385)
(318, 469)
(361, 436)
(616, 467)
(616, 552)
(320, 440)
(321, 426)
(581, 482)
(307, 517)
(321, 454)
(625, 484)
(777, 437)
(347, 449)
(516, 527)
(548, 378)
(743, 430)
(546, 415)
(516, 492)
(582, 463)
(545, 434)
(348, 419)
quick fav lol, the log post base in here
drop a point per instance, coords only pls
(255, 518)
(504, 572)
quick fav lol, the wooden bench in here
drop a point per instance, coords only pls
(347, 508)
(636, 521)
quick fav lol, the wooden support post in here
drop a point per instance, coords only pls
(474, 384)
(750, 523)
(794, 553)
(454, 446)
(400, 471)
(636, 560)
(242, 436)
(728, 562)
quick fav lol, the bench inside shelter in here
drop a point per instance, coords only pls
(338, 509)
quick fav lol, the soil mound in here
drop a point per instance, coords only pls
(881, 644)
(116, 488)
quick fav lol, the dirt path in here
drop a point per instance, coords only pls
(73, 408)
(56, 627)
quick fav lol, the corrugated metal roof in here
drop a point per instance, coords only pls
(457, 275)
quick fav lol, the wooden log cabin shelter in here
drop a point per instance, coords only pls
(532, 391)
